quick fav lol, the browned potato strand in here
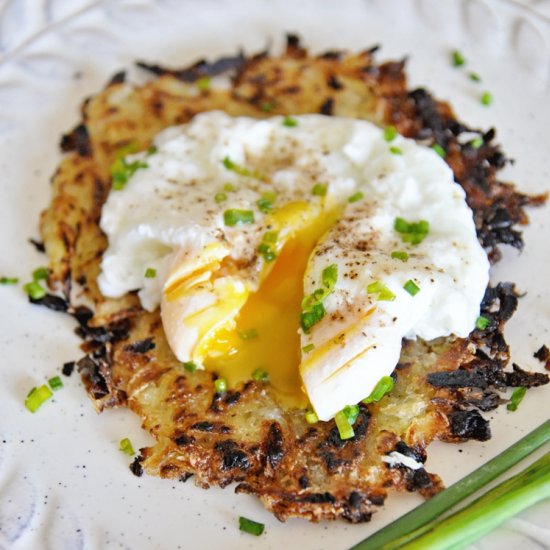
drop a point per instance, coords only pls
(245, 435)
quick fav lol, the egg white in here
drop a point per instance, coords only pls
(167, 218)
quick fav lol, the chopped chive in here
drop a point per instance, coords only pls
(412, 232)
(260, 375)
(313, 309)
(315, 297)
(390, 133)
(122, 171)
(229, 187)
(150, 273)
(482, 322)
(420, 227)
(290, 122)
(351, 412)
(251, 527)
(220, 197)
(474, 77)
(126, 447)
(270, 196)
(265, 203)
(268, 254)
(229, 164)
(128, 149)
(265, 248)
(413, 238)
(400, 255)
(152, 150)
(40, 273)
(248, 334)
(311, 417)
(330, 276)
(189, 366)
(308, 348)
(457, 58)
(396, 150)
(344, 427)
(516, 398)
(238, 217)
(319, 189)
(384, 294)
(119, 180)
(356, 197)
(411, 287)
(439, 150)
(267, 106)
(55, 383)
(241, 170)
(270, 237)
(312, 316)
(134, 166)
(8, 280)
(486, 98)
(203, 83)
(384, 386)
(419, 521)
(36, 397)
(34, 290)
(477, 142)
(401, 226)
(221, 385)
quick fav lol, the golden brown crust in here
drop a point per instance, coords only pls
(245, 435)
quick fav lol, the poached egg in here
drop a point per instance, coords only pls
(304, 248)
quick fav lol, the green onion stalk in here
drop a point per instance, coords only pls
(512, 496)
(488, 511)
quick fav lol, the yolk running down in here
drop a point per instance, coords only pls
(266, 334)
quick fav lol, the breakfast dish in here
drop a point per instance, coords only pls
(60, 466)
(255, 428)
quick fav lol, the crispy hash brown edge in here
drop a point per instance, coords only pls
(244, 435)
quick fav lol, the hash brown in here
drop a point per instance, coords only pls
(245, 435)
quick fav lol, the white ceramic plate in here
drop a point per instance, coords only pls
(63, 483)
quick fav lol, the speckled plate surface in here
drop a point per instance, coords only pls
(63, 483)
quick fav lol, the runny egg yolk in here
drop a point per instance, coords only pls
(266, 336)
